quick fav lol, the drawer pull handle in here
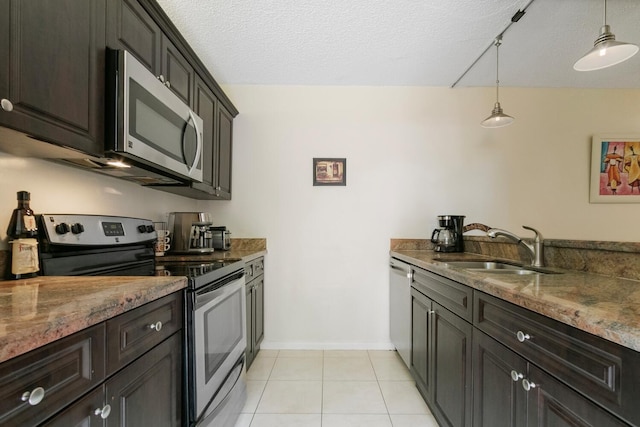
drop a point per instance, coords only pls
(156, 326)
(516, 376)
(104, 412)
(6, 105)
(33, 397)
(527, 385)
(522, 337)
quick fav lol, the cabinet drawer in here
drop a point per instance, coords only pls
(133, 333)
(64, 369)
(451, 295)
(604, 371)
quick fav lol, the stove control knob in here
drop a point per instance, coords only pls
(150, 229)
(77, 228)
(142, 228)
(62, 228)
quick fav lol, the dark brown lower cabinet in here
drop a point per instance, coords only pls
(148, 392)
(441, 360)
(254, 272)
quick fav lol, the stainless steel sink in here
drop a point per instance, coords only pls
(498, 267)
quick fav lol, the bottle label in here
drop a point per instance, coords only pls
(24, 256)
(30, 223)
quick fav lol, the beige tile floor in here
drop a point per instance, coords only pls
(288, 388)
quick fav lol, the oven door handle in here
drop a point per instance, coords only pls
(210, 294)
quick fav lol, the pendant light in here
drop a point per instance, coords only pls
(606, 50)
(497, 119)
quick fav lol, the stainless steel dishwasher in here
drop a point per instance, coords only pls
(400, 275)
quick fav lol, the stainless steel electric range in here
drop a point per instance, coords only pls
(215, 332)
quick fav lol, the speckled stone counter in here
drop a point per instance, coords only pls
(244, 249)
(37, 311)
(605, 306)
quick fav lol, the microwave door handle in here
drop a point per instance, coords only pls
(198, 143)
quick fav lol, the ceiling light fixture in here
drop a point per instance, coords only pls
(606, 50)
(497, 119)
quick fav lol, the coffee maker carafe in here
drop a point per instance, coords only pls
(448, 238)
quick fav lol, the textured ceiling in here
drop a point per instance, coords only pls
(404, 42)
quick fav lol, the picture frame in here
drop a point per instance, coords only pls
(615, 169)
(329, 171)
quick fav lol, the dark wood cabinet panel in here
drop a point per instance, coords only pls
(63, 370)
(224, 153)
(206, 105)
(254, 276)
(131, 28)
(453, 296)
(54, 72)
(148, 391)
(134, 333)
(451, 359)
(421, 313)
(177, 72)
(498, 400)
(602, 370)
(552, 404)
(82, 413)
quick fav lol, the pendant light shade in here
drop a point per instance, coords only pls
(606, 50)
(497, 119)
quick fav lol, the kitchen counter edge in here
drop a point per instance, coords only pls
(44, 309)
(604, 306)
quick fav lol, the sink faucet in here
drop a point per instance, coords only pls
(535, 250)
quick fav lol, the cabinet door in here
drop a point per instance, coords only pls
(451, 360)
(178, 74)
(135, 332)
(148, 391)
(553, 404)
(421, 314)
(53, 73)
(498, 400)
(223, 154)
(258, 296)
(87, 412)
(249, 353)
(61, 371)
(131, 28)
(206, 106)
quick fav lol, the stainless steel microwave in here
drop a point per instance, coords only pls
(148, 124)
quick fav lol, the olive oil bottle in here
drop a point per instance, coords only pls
(22, 234)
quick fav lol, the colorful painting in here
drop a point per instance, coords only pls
(329, 171)
(615, 170)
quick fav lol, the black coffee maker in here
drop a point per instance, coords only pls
(448, 238)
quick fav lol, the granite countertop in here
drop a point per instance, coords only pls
(241, 249)
(35, 312)
(605, 306)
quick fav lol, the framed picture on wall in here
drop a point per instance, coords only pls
(329, 171)
(615, 169)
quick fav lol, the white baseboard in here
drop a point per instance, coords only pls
(272, 345)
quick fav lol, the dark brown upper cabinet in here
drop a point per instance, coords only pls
(52, 74)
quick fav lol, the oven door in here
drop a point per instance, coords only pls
(219, 337)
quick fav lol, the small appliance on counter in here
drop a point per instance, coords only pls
(221, 238)
(191, 232)
(448, 238)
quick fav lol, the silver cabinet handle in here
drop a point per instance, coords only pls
(516, 376)
(431, 312)
(528, 385)
(156, 326)
(522, 337)
(167, 84)
(160, 77)
(6, 105)
(103, 412)
(33, 397)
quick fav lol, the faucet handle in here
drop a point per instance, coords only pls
(538, 234)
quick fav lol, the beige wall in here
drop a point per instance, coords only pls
(412, 153)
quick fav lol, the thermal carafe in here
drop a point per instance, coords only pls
(191, 232)
(448, 238)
